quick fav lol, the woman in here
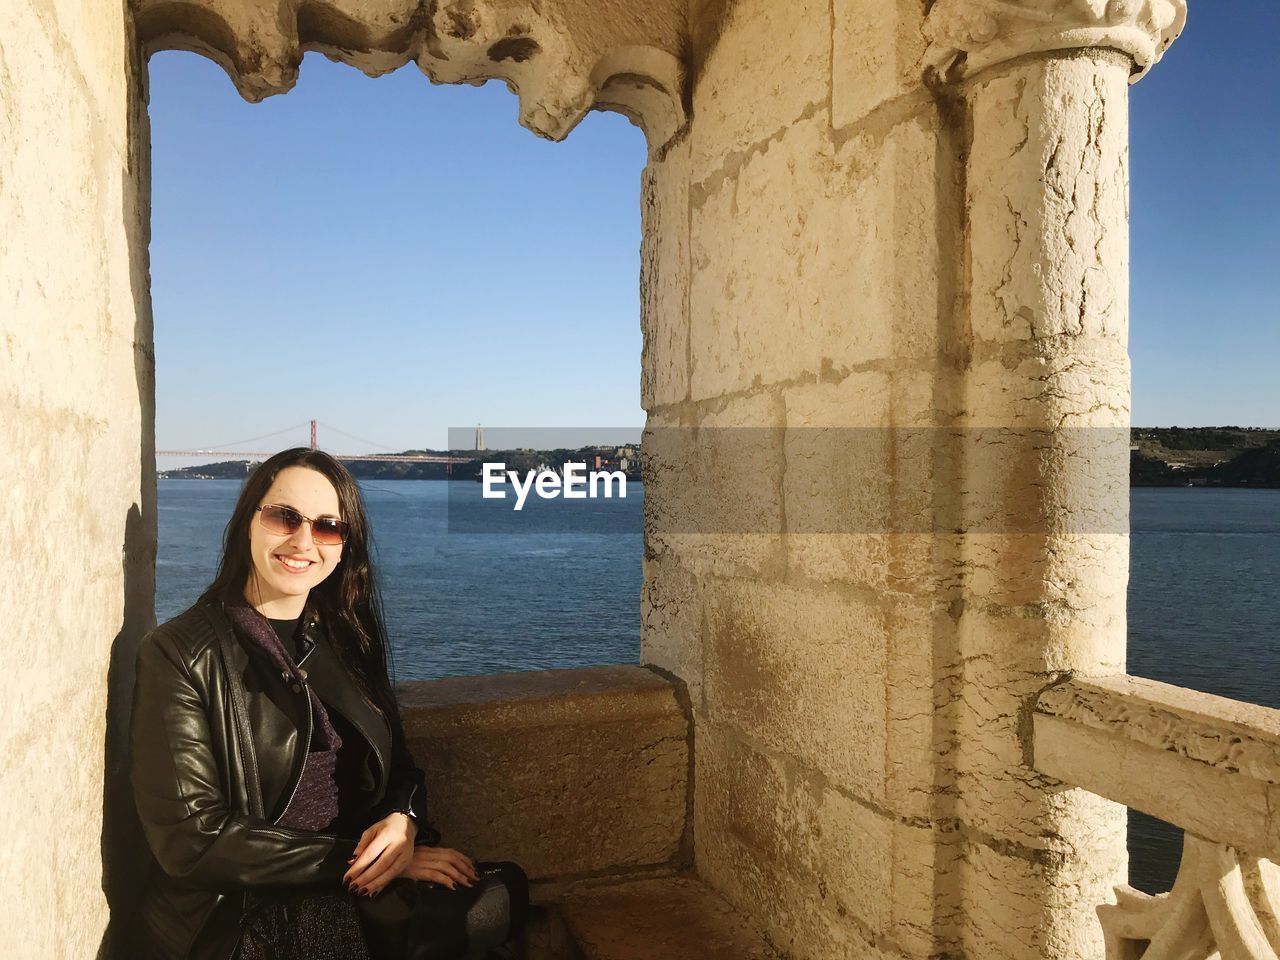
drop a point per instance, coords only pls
(269, 766)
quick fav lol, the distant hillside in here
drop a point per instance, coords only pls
(1160, 457)
(360, 469)
(225, 470)
(1204, 456)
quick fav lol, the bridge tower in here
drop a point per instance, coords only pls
(314, 445)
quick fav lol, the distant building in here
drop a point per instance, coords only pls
(614, 458)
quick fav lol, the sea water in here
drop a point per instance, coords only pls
(1204, 591)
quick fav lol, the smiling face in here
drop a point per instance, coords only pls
(287, 566)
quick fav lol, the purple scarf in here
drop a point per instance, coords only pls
(315, 803)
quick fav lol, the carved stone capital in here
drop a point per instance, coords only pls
(966, 36)
(562, 57)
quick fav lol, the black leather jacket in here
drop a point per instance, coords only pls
(218, 738)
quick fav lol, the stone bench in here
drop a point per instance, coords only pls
(582, 777)
(661, 918)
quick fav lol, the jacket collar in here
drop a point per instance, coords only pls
(328, 678)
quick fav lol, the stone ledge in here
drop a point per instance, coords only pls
(1207, 764)
(570, 773)
(536, 698)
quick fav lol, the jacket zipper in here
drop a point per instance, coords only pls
(384, 761)
(306, 749)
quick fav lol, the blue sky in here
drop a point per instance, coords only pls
(1205, 223)
(395, 258)
(389, 257)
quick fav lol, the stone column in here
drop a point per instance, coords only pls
(1036, 100)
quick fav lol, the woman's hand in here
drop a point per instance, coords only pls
(441, 865)
(384, 850)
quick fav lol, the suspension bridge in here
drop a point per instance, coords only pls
(221, 450)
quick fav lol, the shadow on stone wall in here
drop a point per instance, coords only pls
(124, 849)
(125, 856)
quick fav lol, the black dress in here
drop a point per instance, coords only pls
(408, 920)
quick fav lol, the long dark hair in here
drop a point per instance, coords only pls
(347, 601)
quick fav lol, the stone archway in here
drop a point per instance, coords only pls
(562, 59)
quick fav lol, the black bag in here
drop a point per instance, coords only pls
(302, 924)
(422, 920)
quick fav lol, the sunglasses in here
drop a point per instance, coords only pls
(328, 531)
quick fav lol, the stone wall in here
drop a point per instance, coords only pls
(793, 255)
(77, 529)
(885, 318)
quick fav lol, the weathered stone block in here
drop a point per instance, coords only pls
(859, 500)
(1065, 385)
(878, 49)
(671, 621)
(832, 876)
(802, 670)
(1023, 906)
(91, 50)
(770, 64)
(1040, 635)
(797, 271)
(713, 488)
(922, 901)
(564, 771)
(788, 824)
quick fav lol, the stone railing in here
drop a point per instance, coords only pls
(571, 773)
(1206, 764)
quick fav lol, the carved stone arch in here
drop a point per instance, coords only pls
(562, 57)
